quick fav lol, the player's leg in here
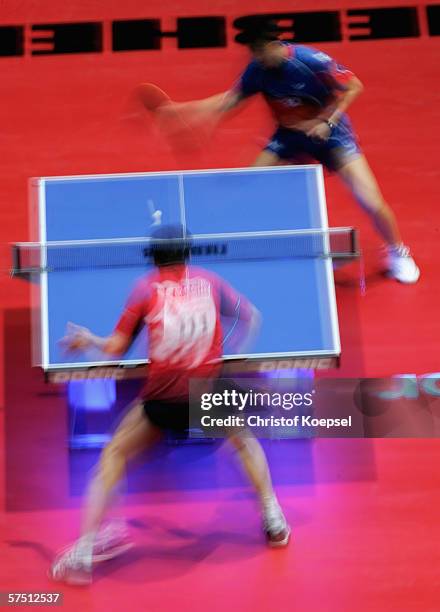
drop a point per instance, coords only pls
(254, 462)
(134, 434)
(341, 153)
(266, 158)
(282, 146)
(358, 176)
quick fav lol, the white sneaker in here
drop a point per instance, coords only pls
(401, 265)
(71, 567)
(276, 528)
(111, 541)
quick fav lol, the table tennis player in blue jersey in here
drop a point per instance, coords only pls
(308, 94)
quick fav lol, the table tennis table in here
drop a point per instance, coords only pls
(296, 297)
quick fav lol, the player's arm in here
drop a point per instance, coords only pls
(331, 115)
(79, 338)
(338, 79)
(247, 318)
(222, 103)
(208, 112)
(218, 104)
(346, 96)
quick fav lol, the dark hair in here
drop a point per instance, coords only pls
(258, 34)
(171, 244)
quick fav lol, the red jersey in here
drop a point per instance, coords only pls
(181, 307)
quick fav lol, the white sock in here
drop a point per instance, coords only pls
(397, 247)
(269, 504)
(84, 547)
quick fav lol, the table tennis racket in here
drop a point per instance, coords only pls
(170, 118)
(153, 97)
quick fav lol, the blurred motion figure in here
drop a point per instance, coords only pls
(308, 94)
(181, 306)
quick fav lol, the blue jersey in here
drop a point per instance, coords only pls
(306, 81)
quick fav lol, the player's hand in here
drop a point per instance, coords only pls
(320, 131)
(316, 128)
(77, 338)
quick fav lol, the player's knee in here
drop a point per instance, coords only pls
(238, 442)
(266, 158)
(111, 453)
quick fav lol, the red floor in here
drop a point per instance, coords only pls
(367, 546)
(366, 533)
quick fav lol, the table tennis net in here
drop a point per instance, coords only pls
(203, 249)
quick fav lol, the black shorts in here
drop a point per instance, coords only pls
(174, 415)
(168, 416)
(293, 145)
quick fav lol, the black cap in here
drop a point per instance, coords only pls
(170, 244)
(258, 31)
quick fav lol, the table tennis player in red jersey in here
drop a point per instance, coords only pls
(308, 94)
(181, 306)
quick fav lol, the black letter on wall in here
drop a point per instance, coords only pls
(316, 26)
(433, 14)
(68, 38)
(191, 33)
(11, 41)
(399, 22)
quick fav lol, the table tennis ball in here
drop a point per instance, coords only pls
(157, 217)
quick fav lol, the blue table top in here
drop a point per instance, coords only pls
(295, 296)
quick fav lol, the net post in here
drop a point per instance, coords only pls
(357, 252)
(355, 242)
(16, 260)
